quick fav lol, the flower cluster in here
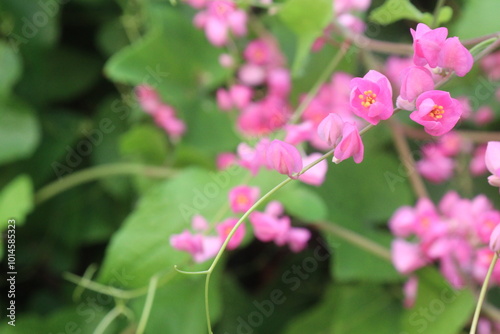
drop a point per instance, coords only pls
(455, 235)
(163, 114)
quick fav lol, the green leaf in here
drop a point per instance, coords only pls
(66, 74)
(19, 131)
(144, 143)
(11, 68)
(439, 308)
(174, 57)
(394, 10)
(16, 201)
(303, 203)
(306, 19)
(352, 263)
(351, 309)
(478, 17)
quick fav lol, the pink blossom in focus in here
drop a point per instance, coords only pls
(330, 129)
(454, 56)
(298, 238)
(437, 111)
(224, 228)
(406, 256)
(492, 159)
(414, 81)
(427, 43)
(241, 198)
(284, 158)
(316, 175)
(350, 145)
(371, 97)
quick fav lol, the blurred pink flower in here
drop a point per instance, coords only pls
(224, 228)
(241, 198)
(407, 256)
(298, 238)
(316, 175)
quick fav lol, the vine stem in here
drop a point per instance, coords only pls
(153, 283)
(94, 173)
(482, 294)
(108, 319)
(437, 9)
(321, 80)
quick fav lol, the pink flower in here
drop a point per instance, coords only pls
(477, 164)
(454, 56)
(410, 292)
(165, 118)
(252, 159)
(240, 95)
(279, 82)
(491, 66)
(406, 256)
(251, 74)
(187, 242)
(371, 97)
(269, 228)
(427, 44)
(495, 239)
(241, 198)
(450, 144)
(148, 98)
(200, 247)
(330, 129)
(435, 166)
(298, 133)
(316, 175)
(297, 238)
(492, 158)
(342, 6)
(199, 223)
(352, 22)
(224, 160)
(414, 81)
(284, 158)
(484, 115)
(403, 222)
(224, 228)
(485, 224)
(437, 111)
(351, 144)
(224, 100)
(258, 52)
(226, 60)
(394, 67)
(263, 117)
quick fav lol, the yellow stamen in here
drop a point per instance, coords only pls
(437, 112)
(367, 98)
